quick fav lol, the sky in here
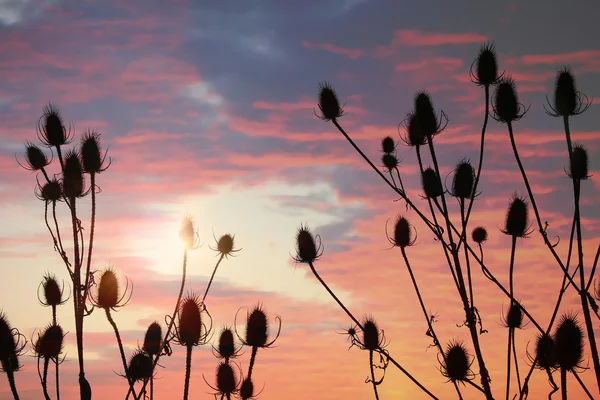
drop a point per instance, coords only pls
(207, 110)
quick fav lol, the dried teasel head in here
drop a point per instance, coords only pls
(187, 233)
(432, 186)
(517, 217)
(389, 161)
(49, 192)
(545, 357)
(403, 235)
(308, 247)
(109, 294)
(484, 70)
(372, 337)
(579, 162)
(52, 291)
(568, 343)
(226, 347)
(479, 235)
(415, 135)
(73, 181)
(226, 245)
(227, 381)
(388, 145)
(153, 339)
(506, 101)
(457, 364)
(50, 342)
(140, 366)
(10, 346)
(247, 389)
(464, 180)
(329, 103)
(426, 117)
(35, 159)
(190, 327)
(51, 130)
(91, 153)
(257, 328)
(513, 319)
(568, 101)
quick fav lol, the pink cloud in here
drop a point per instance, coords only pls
(559, 58)
(418, 38)
(352, 54)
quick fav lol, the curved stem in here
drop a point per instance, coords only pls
(212, 277)
(91, 240)
(10, 375)
(514, 350)
(373, 375)
(45, 379)
(120, 343)
(188, 367)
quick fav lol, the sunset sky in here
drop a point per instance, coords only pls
(207, 110)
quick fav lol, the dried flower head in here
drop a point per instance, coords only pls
(545, 357)
(506, 101)
(308, 247)
(52, 291)
(568, 343)
(226, 245)
(35, 159)
(49, 192)
(50, 342)
(457, 364)
(485, 72)
(109, 294)
(73, 181)
(372, 337)
(247, 389)
(432, 186)
(51, 130)
(187, 233)
(579, 162)
(226, 348)
(427, 119)
(227, 381)
(403, 236)
(389, 161)
(12, 344)
(479, 235)
(387, 145)
(190, 328)
(153, 339)
(329, 103)
(257, 328)
(517, 217)
(514, 317)
(415, 135)
(91, 153)
(140, 366)
(464, 180)
(567, 100)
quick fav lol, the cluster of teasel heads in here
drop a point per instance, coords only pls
(558, 347)
(190, 324)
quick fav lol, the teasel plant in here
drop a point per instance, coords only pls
(69, 186)
(12, 346)
(421, 127)
(48, 346)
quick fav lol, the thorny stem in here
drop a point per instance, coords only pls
(56, 363)
(11, 381)
(429, 323)
(381, 351)
(120, 343)
(464, 237)
(188, 367)
(508, 356)
(563, 383)
(585, 389)
(252, 360)
(373, 375)
(212, 277)
(485, 379)
(591, 278)
(511, 331)
(91, 241)
(152, 386)
(45, 379)
(514, 350)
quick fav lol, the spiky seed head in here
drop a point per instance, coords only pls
(51, 191)
(544, 352)
(53, 131)
(140, 366)
(225, 244)
(52, 292)
(506, 103)
(387, 145)
(226, 379)
(91, 153)
(257, 328)
(432, 186)
(517, 217)
(108, 289)
(247, 389)
(568, 343)
(226, 347)
(425, 113)
(565, 93)
(371, 334)
(73, 182)
(415, 134)
(390, 161)
(402, 232)
(8, 344)
(306, 246)
(579, 162)
(479, 235)
(153, 339)
(464, 180)
(514, 317)
(50, 343)
(187, 234)
(487, 66)
(190, 322)
(458, 363)
(329, 103)
(36, 159)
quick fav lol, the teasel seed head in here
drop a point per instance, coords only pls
(506, 101)
(73, 181)
(49, 192)
(390, 161)
(415, 135)
(329, 103)
(187, 233)
(140, 366)
(457, 366)
(464, 180)
(34, 157)
(257, 328)
(51, 130)
(226, 348)
(226, 379)
(308, 247)
(52, 292)
(8, 344)
(387, 145)
(247, 389)
(568, 101)
(91, 153)
(568, 343)
(425, 114)
(153, 339)
(226, 245)
(517, 217)
(579, 162)
(403, 235)
(544, 352)
(432, 186)
(108, 289)
(479, 235)
(514, 317)
(189, 331)
(50, 342)
(372, 336)
(486, 71)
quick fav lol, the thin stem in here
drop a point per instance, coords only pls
(120, 343)
(11, 380)
(45, 379)
(585, 389)
(91, 240)
(514, 350)
(563, 383)
(373, 375)
(57, 379)
(63, 254)
(464, 232)
(152, 387)
(212, 277)
(508, 357)
(252, 361)
(188, 367)
(591, 278)
(405, 372)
